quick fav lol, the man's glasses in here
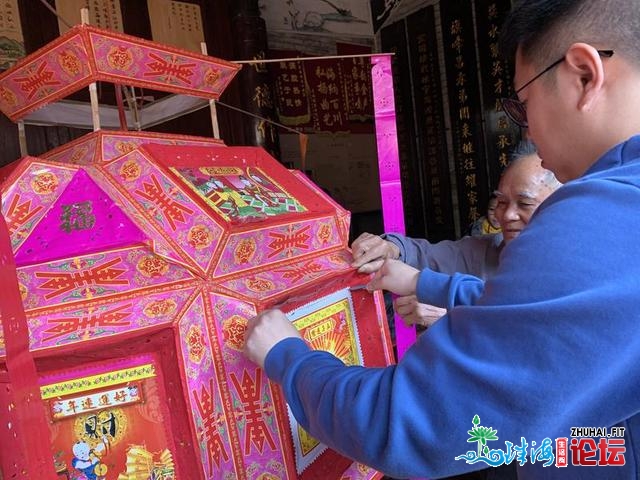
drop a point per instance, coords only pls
(516, 110)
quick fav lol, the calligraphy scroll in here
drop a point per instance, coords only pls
(290, 88)
(11, 38)
(102, 13)
(431, 137)
(464, 104)
(176, 23)
(500, 134)
(357, 86)
(393, 40)
(328, 102)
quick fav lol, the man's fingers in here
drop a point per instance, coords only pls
(370, 267)
(406, 300)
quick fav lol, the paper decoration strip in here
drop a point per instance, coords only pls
(176, 23)
(102, 13)
(389, 168)
(103, 318)
(87, 278)
(78, 405)
(12, 44)
(27, 436)
(94, 377)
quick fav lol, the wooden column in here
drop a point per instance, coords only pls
(250, 42)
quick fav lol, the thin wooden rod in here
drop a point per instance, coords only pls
(304, 59)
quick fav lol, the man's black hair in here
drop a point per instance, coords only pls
(544, 29)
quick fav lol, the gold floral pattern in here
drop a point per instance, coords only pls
(70, 63)
(79, 154)
(233, 329)
(245, 251)
(259, 285)
(44, 183)
(160, 308)
(152, 266)
(8, 96)
(130, 170)
(325, 232)
(195, 343)
(211, 77)
(120, 58)
(125, 147)
(199, 237)
(23, 291)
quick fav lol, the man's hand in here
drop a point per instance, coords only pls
(264, 331)
(396, 277)
(416, 313)
(369, 252)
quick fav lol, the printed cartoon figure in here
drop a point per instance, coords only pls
(87, 459)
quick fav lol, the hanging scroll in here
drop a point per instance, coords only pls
(290, 89)
(176, 23)
(11, 38)
(331, 95)
(432, 142)
(464, 104)
(328, 102)
(357, 86)
(393, 40)
(102, 13)
(501, 135)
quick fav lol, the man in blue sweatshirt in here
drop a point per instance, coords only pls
(551, 346)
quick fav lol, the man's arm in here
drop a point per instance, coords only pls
(512, 358)
(473, 255)
(448, 291)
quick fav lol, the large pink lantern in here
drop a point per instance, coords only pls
(139, 259)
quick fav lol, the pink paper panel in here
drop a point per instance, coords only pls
(99, 275)
(83, 219)
(201, 364)
(250, 415)
(102, 319)
(168, 208)
(271, 282)
(88, 54)
(268, 246)
(26, 201)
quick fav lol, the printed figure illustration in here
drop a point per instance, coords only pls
(239, 194)
(87, 460)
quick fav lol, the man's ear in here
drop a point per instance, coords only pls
(585, 63)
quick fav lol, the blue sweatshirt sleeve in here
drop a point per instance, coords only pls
(552, 343)
(448, 291)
